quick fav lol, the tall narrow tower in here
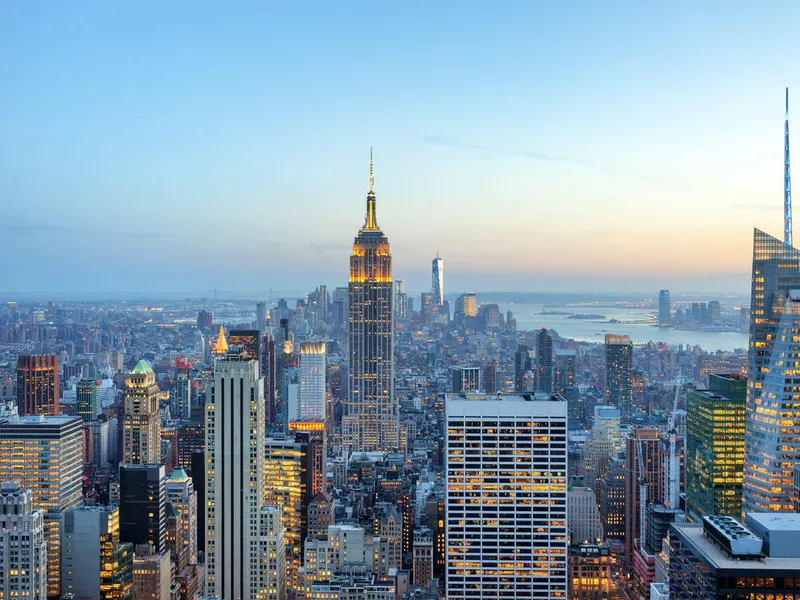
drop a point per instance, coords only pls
(142, 418)
(370, 423)
(437, 280)
(787, 180)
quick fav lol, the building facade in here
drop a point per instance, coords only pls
(506, 487)
(44, 454)
(715, 447)
(437, 281)
(772, 417)
(141, 423)
(23, 555)
(143, 505)
(313, 364)
(619, 374)
(95, 564)
(371, 419)
(38, 385)
(235, 433)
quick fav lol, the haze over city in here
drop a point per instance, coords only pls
(581, 147)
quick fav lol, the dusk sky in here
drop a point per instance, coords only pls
(579, 146)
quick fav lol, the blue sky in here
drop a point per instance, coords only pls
(591, 146)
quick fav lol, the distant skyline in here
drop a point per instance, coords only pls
(582, 147)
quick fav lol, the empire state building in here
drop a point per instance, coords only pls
(370, 423)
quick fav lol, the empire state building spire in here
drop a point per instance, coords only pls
(370, 422)
(371, 223)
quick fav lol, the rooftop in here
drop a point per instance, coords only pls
(142, 368)
(692, 535)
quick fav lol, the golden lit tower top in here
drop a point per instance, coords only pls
(371, 223)
(221, 347)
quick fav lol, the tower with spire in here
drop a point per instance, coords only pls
(370, 422)
(787, 180)
(437, 280)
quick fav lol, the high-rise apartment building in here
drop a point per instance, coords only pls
(152, 574)
(181, 396)
(400, 299)
(313, 364)
(272, 545)
(235, 433)
(23, 556)
(37, 385)
(466, 380)
(44, 454)
(143, 505)
(287, 483)
(422, 560)
(437, 280)
(205, 321)
(544, 361)
(642, 449)
(506, 496)
(371, 420)
(772, 417)
(180, 494)
(664, 308)
(261, 317)
(522, 368)
(715, 447)
(87, 399)
(565, 368)
(619, 374)
(95, 564)
(141, 422)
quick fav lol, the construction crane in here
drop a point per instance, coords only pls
(642, 495)
(673, 465)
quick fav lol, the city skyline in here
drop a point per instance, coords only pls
(649, 127)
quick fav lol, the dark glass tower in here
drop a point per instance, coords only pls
(544, 361)
(370, 423)
(619, 374)
(772, 412)
(142, 505)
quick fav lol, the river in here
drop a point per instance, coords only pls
(529, 318)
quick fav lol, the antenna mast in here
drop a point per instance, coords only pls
(787, 180)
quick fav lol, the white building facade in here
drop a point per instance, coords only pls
(506, 496)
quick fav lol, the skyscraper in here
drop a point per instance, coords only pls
(181, 397)
(312, 381)
(95, 563)
(141, 422)
(371, 423)
(664, 308)
(544, 361)
(87, 399)
(400, 299)
(45, 455)
(261, 317)
(179, 489)
(143, 505)
(512, 482)
(23, 556)
(619, 374)
(715, 447)
(641, 446)
(522, 367)
(37, 385)
(772, 415)
(235, 433)
(437, 280)
(286, 484)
